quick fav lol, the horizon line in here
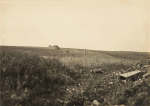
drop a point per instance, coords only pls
(77, 48)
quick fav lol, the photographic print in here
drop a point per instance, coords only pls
(74, 52)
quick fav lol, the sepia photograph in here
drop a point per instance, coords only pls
(74, 52)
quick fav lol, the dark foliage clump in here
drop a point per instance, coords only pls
(25, 77)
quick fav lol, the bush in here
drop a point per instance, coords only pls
(138, 95)
(119, 101)
(39, 76)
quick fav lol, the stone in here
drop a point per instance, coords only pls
(96, 103)
(110, 83)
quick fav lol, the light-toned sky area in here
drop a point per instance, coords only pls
(113, 25)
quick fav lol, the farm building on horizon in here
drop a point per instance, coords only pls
(53, 47)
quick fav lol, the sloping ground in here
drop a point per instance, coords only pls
(30, 80)
(129, 94)
(126, 54)
(88, 58)
(45, 51)
(79, 52)
(138, 93)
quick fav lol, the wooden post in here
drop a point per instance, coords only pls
(70, 57)
(63, 57)
(83, 60)
(85, 52)
(84, 55)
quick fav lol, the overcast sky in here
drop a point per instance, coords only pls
(92, 24)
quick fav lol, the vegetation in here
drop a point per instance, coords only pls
(62, 80)
(20, 72)
(136, 95)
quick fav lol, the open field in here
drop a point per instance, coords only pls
(46, 77)
(45, 51)
(88, 58)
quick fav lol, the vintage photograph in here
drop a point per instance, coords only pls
(74, 52)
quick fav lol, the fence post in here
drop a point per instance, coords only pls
(70, 57)
(63, 57)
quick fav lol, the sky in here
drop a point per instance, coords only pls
(112, 25)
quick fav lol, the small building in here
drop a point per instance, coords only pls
(53, 47)
(132, 76)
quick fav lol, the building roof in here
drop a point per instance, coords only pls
(130, 73)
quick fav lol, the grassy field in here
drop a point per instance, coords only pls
(42, 76)
(45, 51)
(88, 58)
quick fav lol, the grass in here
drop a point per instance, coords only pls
(45, 51)
(89, 58)
(38, 76)
(58, 79)
(96, 62)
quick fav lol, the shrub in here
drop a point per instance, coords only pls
(39, 76)
(119, 101)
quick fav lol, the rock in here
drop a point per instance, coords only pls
(87, 103)
(13, 96)
(110, 83)
(91, 71)
(26, 90)
(143, 94)
(96, 103)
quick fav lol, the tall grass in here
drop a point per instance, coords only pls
(96, 62)
(38, 76)
(32, 80)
